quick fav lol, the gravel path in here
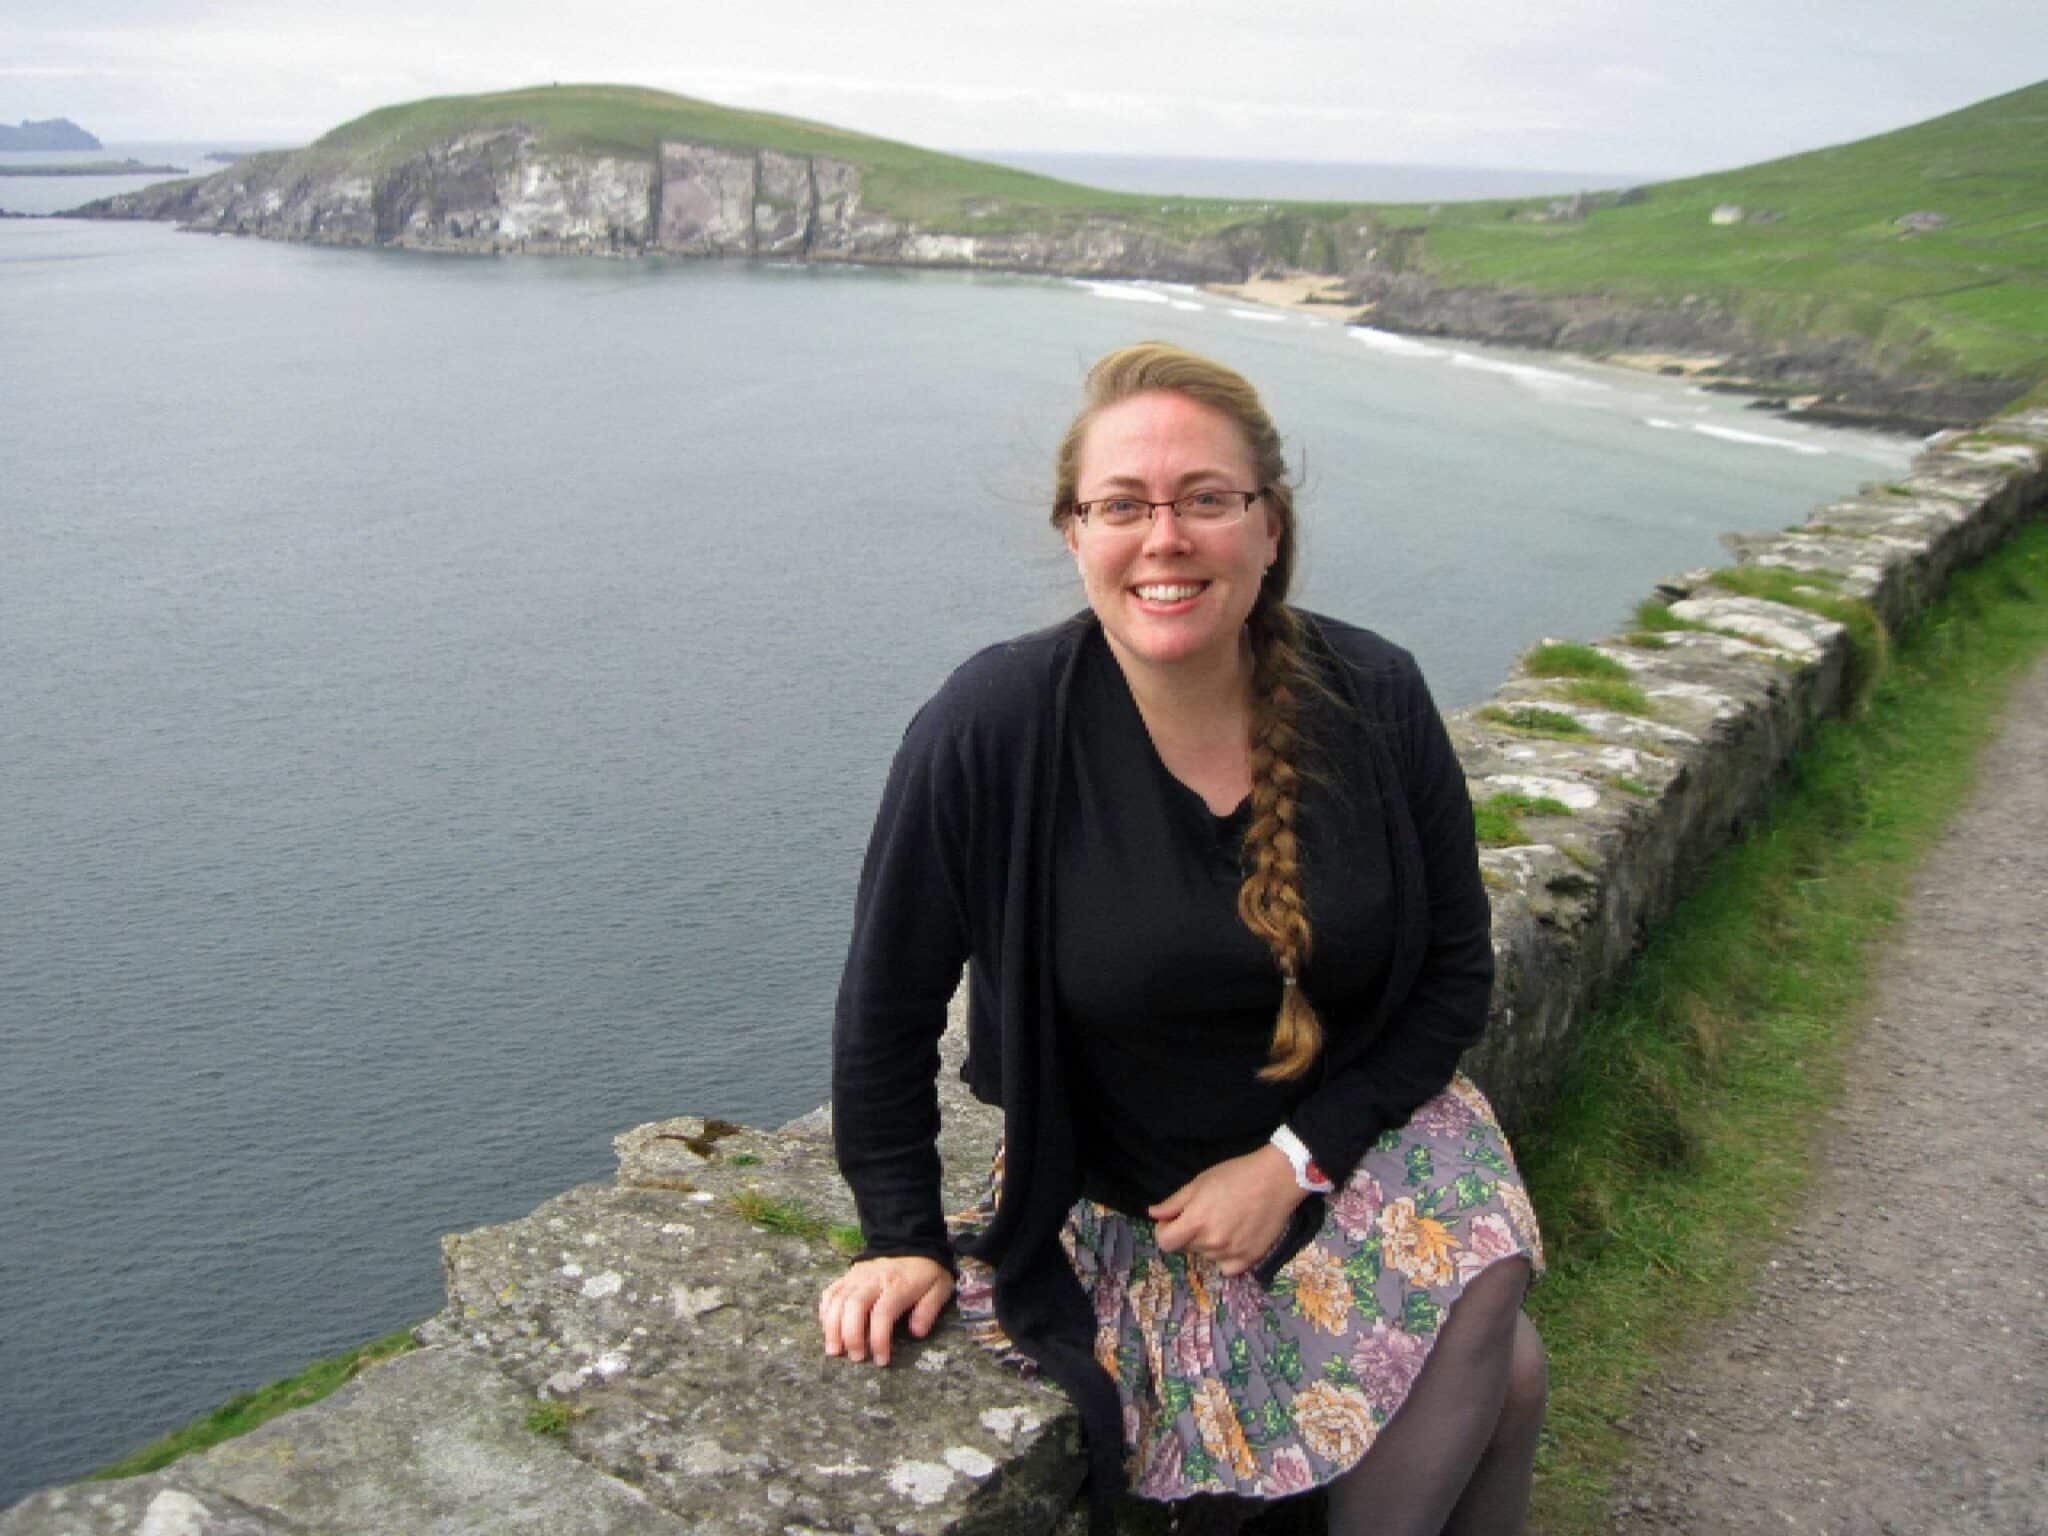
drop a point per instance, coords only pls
(1890, 1375)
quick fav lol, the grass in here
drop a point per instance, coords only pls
(1532, 720)
(246, 1410)
(937, 191)
(1568, 658)
(1970, 297)
(1497, 820)
(1679, 1143)
(1654, 617)
(1606, 693)
(550, 1417)
(775, 1214)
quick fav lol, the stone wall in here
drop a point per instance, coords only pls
(641, 1356)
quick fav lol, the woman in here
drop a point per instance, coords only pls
(1209, 863)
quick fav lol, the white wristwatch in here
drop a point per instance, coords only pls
(1306, 1173)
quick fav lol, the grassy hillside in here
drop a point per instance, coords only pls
(1971, 296)
(935, 190)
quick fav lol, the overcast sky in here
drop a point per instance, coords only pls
(1654, 86)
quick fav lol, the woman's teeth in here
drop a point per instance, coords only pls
(1160, 593)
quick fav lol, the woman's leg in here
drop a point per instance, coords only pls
(1461, 1430)
(1496, 1499)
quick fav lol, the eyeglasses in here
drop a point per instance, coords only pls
(1203, 509)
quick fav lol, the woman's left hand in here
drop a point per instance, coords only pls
(1233, 1212)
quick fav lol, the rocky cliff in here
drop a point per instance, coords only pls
(502, 189)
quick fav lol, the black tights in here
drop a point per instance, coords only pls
(1457, 1456)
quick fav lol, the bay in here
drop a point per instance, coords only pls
(444, 698)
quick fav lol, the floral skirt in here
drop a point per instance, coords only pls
(1230, 1387)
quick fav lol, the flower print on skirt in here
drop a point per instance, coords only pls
(1230, 1387)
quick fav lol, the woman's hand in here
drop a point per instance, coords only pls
(859, 1310)
(1233, 1213)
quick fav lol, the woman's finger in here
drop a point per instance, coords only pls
(928, 1308)
(882, 1321)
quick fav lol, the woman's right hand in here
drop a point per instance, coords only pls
(859, 1310)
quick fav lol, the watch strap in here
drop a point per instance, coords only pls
(1306, 1174)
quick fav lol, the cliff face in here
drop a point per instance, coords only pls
(498, 190)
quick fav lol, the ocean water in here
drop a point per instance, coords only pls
(444, 699)
(57, 194)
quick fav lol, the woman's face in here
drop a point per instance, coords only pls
(1170, 594)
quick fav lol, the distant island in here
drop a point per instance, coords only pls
(1893, 281)
(130, 167)
(50, 133)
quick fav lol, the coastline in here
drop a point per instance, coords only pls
(1323, 296)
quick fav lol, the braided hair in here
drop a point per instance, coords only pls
(1272, 901)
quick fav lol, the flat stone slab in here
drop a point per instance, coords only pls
(431, 1443)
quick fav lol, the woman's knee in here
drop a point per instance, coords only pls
(1487, 1310)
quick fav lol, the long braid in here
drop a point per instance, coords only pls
(1273, 900)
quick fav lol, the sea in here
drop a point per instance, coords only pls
(445, 697)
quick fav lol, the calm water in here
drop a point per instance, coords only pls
(444, 698)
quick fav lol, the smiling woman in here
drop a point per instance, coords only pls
(1247, 1214)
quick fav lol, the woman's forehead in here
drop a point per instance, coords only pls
(1162, 433)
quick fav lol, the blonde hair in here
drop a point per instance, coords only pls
(1273, 900)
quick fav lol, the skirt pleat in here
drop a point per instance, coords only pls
(1263, 1392)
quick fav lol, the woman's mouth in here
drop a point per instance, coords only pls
(1168, 591)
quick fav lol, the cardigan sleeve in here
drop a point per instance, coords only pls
(910, 939)
(1445, 1008)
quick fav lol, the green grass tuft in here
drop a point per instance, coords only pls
(1563, 658)
(847, 1238)
(551, 1416)
(1629, 786)
(779, 1215)
(1654, 616)
(246, 1410)
(1678, 1145)
(1606, 693)
(1533, 720)
(1497, 819)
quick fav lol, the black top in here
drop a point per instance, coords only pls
(959, 872)
(1166, 998)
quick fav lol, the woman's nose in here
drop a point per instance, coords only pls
(1166, 532)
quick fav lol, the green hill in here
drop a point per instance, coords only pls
(934, 190)
(1968, 296)
(1906, 273)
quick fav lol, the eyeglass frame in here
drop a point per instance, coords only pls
(1080, 509)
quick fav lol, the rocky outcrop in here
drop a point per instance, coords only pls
(50, 133)
(640, 1357)
(501, 190)
(1847, 386)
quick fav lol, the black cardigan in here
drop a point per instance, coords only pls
(958, 871)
